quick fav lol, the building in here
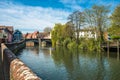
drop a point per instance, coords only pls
(17, 36)
(28, 36)
(37, 34)
(44, 35)
(6, 34)
(87, 34)
(33, 35)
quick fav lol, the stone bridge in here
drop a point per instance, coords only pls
(38, 41)
(38, 37)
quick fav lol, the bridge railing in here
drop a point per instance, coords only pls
(15, 69)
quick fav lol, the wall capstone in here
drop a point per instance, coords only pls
(19, 71)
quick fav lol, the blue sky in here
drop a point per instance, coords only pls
(29, 15)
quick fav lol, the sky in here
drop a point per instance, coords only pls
(32, 15)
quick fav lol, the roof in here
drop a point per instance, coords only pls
(32, 35)
(10, 28)
(18, 32)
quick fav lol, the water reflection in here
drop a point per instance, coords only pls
(82, 66)
(64, 64)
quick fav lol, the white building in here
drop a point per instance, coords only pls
(87, 34)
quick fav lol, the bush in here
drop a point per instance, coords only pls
(90, 45)
(82, 45)
(72, 45)
(66, 42)
(115, 37)
(58, 42)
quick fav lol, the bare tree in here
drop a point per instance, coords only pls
(47, 29)
(97, 18)
(77, 19)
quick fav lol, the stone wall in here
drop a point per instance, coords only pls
(16, 45)
(15, 69)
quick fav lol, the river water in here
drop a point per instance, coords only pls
(64, 64)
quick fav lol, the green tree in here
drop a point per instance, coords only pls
(114, 30)
(97, 18)
(68, 30)
(57, 34)
(62, 34)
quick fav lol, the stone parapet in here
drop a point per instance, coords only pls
(16, 69)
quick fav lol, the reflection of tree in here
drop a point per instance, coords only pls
(114, 66)
(46, 52)
(100, 67)
(57, 55)
(82, 65)
(70, 61)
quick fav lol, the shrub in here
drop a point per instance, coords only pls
(72, 45)
(66, 42)
(115, 37)
(90, 45)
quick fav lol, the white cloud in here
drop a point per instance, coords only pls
(81, 4)
(28, 17)
(73, 4)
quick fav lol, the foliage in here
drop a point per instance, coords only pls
(66, 42)
(72, 45)
(77, 19)
(98, 19)
(116, 16)
(90, 45)
(68, 31)
(95, 18)
(114, 30)
(60, 33)
(115, 37)
(56, 33)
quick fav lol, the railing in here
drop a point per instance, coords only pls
(111, 46)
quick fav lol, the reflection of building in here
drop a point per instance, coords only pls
(6, 33)
(17, 36)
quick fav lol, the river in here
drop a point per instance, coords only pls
(64, 64)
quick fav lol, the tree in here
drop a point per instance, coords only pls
(77, 19)
(57, 34)
(68, 31)
(47, 29)
(114, 30)
(62, 32)
(97, 18)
